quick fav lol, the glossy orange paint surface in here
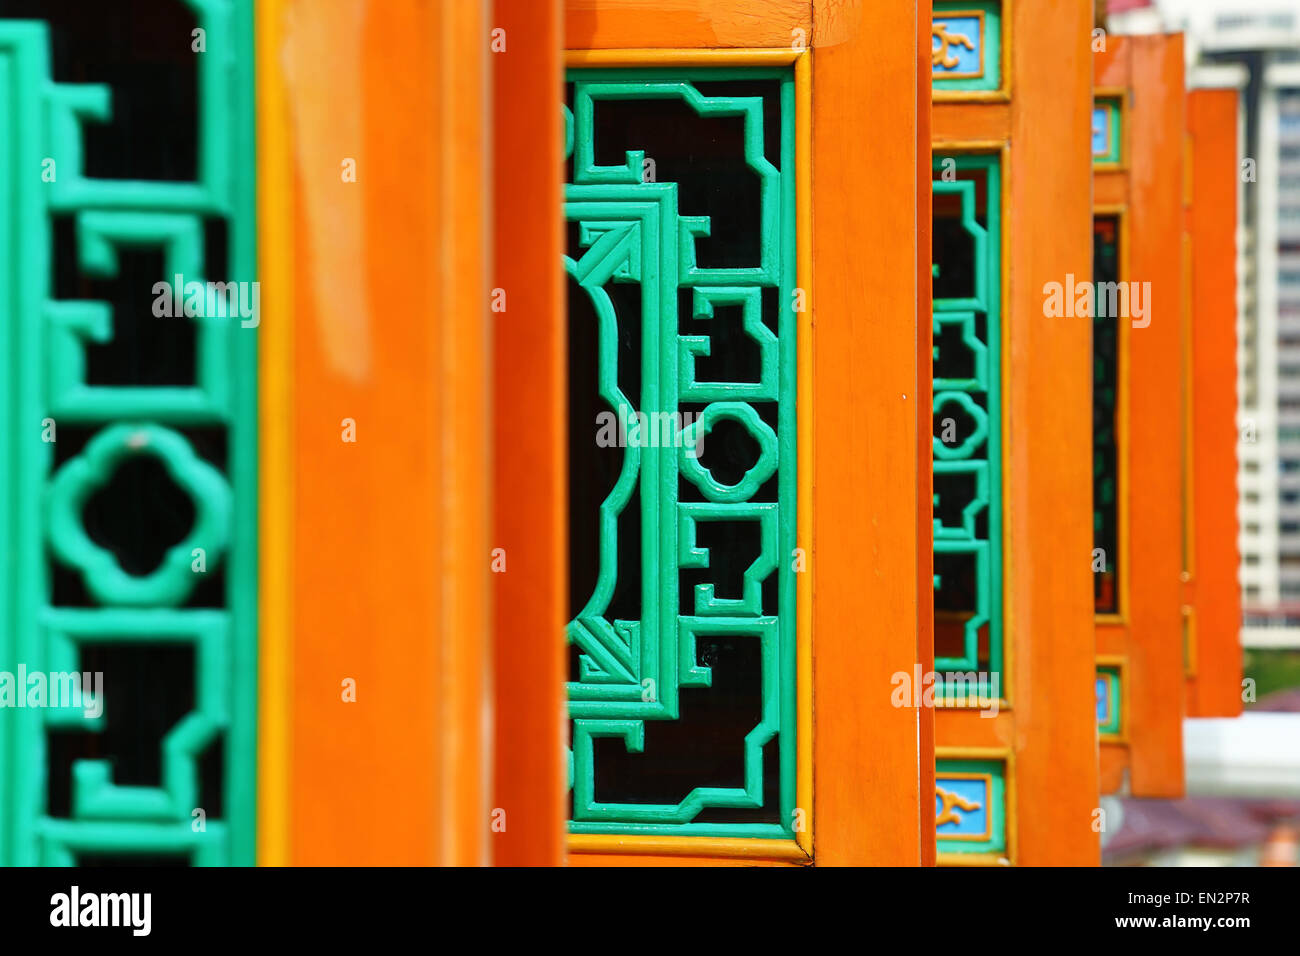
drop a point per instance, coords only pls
(388, 534)
(529, 438)
(686, 24)
(981, 122)
(868, 359)
(1149, 636)
(1214, 684)
(1049, 729)
(1049, 408)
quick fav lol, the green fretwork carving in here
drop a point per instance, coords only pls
(969, 463)
(44, 382)
(631, 672)
(73, 323)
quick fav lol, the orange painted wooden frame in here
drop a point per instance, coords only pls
(864, 533)
(1048, 724)
(529, 425)
(1214, 595)
(873, 790)
(1149, 634)
(375, 551)
(690, 24)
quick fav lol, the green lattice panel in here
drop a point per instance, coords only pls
(1105, 424)
(632, 231)
(968, 465)
(43, 344)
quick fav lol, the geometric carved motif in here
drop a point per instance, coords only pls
(967, 416)
(69, 601)
(690, 333)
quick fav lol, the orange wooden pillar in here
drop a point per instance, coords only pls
(1138, 184)
(872, 777)
(375, 637)
(864, 780)
(1213, 596)
(529, 489)
(1030, 122)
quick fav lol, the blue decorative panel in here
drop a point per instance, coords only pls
(1100, 132)
(970, 806)
(962, 809)
(958, 46)
(1109, 689)
(1106, 132)
(966, 47)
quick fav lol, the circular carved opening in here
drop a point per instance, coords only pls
(139, 514)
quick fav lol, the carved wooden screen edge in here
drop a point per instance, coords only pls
(46, 381)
